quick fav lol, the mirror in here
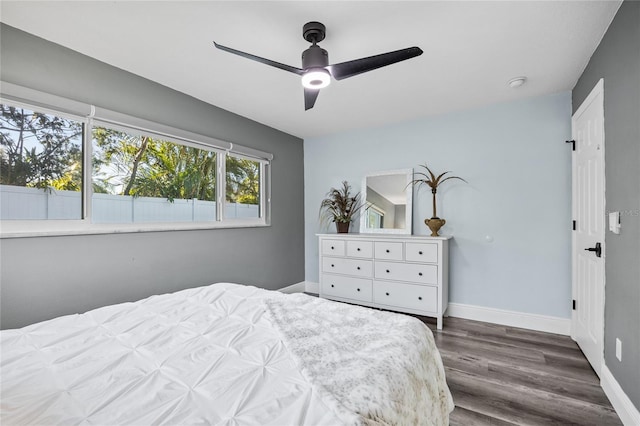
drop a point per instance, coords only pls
(387, 197)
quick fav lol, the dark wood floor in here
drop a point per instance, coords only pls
(502, 375)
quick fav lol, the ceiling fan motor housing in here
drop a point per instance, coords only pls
(314, 57)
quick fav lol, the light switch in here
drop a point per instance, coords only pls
(614, 222)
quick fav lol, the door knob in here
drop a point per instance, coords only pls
(597, 249)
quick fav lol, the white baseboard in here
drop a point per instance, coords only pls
(311, 287)
(536, 322)
(295, 288)
(625, 409)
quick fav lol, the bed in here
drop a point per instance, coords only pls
(224, 354)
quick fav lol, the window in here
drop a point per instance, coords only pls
(374, 218)
(138, 178)
(243, 188)
(108, 172)
(40, 165)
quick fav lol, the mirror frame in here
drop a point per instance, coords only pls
(408, 191)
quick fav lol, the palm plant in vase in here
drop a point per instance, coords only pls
(340, 206)
(430, 179)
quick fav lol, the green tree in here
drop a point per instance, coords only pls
(243, 180)
(116, 159)
(177, 171)
(39, 150)
(142, 166)
(44, 151)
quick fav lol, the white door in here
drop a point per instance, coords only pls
(587, 320)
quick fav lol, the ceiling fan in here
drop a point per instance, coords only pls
(316, 72)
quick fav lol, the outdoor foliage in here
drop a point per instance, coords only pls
(39, 150)
(126, 164)
(45, 151)
(243, 181)
(143, 166)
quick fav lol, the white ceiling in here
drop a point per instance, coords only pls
(471, 49)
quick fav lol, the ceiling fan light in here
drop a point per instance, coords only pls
(316, 78)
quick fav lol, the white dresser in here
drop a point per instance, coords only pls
(399, 273)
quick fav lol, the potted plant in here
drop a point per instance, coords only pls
(340, 206)
(433, 181)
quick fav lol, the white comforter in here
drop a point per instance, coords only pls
(211, 355)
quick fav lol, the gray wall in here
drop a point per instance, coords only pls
(46, 277)
(617, 60)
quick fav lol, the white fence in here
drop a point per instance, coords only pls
(18, 203)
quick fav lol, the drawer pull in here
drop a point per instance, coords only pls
(358, 248)
(332, 265)
(332, 247)
(420, 252)
(331, 285)
(387, 294)
(388, 251)
(358, 268)
(358, 289)
(387, 271)
(419, 297)
(420, 274)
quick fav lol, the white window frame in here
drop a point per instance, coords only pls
(90, 115)
(381, 213)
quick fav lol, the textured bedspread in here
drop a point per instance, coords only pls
(220, 354)
(372, 367)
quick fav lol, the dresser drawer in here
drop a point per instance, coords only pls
(411, 296)
(347, 287)
(421, 252)
(388, 250)
(360, 249)
(400, 273)
(356, 267)
(412, 272)
(333, 247)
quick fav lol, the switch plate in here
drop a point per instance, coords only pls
(618, 349)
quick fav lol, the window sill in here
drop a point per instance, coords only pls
(56, 228)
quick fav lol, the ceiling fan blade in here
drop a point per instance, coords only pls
(310, 96)
(259, 59)
(350, 68)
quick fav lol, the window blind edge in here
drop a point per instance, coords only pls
(251, 153)
(151, 128)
